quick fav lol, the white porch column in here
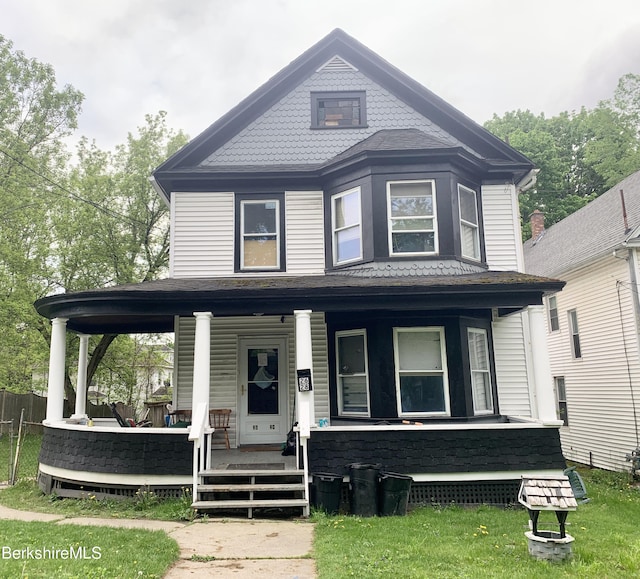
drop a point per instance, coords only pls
(201, 360)
(304, 362)
(81, 384)
(545, 397)
(57, 352)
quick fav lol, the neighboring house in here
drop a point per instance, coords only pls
(593, 324)
(344, 246)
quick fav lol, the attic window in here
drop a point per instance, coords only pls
(338, 110)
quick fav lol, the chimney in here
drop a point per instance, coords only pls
(536, 219)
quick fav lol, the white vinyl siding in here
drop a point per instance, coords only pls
(304, 232)
(501, 225)
(598, 386)
(509, 351)
(225, 334)
(202, 234)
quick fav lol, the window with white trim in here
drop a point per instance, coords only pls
(552, 311)
(260, 234)
(576, 350)
(411, 210)
(346, 216)
(469, 230)
(480, 370)
(421, 371)
(352, 373)
(561, 399)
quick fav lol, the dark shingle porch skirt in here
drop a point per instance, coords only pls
(463, 465)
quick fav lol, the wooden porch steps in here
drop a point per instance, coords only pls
(249, 489)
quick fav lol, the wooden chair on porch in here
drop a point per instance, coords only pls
(219, 420)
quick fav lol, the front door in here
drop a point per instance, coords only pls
(263, 391)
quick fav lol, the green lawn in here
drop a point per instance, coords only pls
(485, 542)
(74, 551)
(429, 542)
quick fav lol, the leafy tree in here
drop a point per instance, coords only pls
(580, 154)
(115, 229)
(66, 228)
(35, 117)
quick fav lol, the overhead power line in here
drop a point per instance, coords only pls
(71, 194)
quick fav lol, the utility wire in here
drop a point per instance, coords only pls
(70, 193)
(626, 356)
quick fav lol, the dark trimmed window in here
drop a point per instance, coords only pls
(346, 217)
(411, 207)
(352, 373)
(338, 110)
(480, 370)
(422, 386)
(259, 233)
(469, 229)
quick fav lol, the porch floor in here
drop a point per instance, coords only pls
(251, 458)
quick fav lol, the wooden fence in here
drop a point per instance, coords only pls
(35, 408)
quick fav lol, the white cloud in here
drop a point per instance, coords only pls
(197, 59)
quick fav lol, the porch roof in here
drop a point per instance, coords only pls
(151, 306)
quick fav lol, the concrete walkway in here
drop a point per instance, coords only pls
(238, 548)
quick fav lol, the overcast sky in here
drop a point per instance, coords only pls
(196, 59)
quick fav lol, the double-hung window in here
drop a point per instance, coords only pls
(480, 370)
(561, 399)
(421, 371)
(469, 230)
(552, 307)
(260, 234)
(575, 334)
(411, 208)
(347, 226)
(352, 373)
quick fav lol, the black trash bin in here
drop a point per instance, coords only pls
(363, 488)
(328, 491)
(394, 493)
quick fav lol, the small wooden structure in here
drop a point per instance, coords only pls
(548, 493)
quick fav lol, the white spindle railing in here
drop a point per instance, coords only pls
(200, 433)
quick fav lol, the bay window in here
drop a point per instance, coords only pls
(346, 218)
(421, 371)
(480, 370)
(411, 209)
(469, 230)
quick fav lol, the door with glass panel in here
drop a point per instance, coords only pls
(263, 391)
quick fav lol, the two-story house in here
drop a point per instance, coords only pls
(593, 324)
(345, 246)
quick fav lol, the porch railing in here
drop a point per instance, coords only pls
(200, 434)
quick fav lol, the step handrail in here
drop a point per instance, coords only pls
(198, 432)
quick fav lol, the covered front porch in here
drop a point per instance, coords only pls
(217, 323)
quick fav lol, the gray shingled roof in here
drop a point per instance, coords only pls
(404, 140)
(595, 230)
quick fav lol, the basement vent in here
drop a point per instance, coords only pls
(337, 64)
